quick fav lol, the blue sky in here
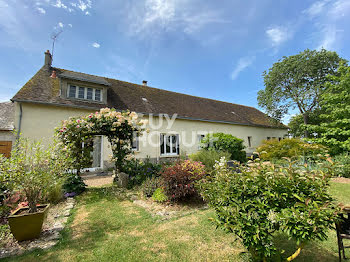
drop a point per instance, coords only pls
(216, 49)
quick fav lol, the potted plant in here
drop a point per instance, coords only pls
(30, 170)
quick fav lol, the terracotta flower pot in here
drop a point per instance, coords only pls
(28, 225)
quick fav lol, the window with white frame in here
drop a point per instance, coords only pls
(87, 93)
(169, 145)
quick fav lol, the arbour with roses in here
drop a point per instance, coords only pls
(77, 134)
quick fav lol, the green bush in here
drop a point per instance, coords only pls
(32, 168)
(139, 170)
(159, 195)
(227, 143)
(54, 192)
(265, 199)
(291, 148)
(208, 157)
(343, 165)
(150, 185)
(74, 184)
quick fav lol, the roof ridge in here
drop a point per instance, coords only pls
(159, 89)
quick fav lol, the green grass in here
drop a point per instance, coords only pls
(106, 227)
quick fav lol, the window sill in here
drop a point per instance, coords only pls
(165, 156)
(86, 100)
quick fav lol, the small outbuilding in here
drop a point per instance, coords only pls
(7, 136)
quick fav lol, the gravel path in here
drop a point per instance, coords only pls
(341, 180)
(98, 181)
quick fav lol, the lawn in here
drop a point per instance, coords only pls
(107, 227)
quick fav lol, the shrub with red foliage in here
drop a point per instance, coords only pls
(180, 178)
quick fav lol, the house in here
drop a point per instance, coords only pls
(6, 128)
(177, 122)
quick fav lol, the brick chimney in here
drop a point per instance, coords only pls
(48, 60)
(144, 82)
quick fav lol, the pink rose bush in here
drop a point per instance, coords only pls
(77, 134)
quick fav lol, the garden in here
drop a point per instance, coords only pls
(280, 204)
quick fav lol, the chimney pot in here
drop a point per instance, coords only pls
(144, 82)
(48, 60)
(53, 74)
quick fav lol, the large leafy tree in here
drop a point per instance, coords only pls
(297, 81)
(297, 127)
(334, 129)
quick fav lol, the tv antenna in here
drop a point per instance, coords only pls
(54, 37)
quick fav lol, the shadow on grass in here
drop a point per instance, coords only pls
(79, 240)
(311, 252)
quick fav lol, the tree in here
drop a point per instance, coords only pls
(297, 81)
(297, 127)
(334, 128)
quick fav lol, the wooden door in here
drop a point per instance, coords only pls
(5, 148)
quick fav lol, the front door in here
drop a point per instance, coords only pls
(97, 152)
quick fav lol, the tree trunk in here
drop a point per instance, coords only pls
(306, 121)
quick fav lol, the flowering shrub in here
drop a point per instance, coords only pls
(291, 147)
(150, 185)
(139, 170)
(179, 179)
(208, 157)
(76, 134)
(74, 184)
(265, 198)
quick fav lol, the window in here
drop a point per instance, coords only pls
(169, 144)
(81, 93)
(280, 138)
(87, 93)
(72, 91)
(249, 141)
(200, 138)
(135, 142)
(268, 138)
(97, 94)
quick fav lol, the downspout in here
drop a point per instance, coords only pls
(19, 121)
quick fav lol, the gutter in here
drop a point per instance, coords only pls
(20, 120)
(154, 114)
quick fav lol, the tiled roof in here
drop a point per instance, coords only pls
(6, 116)
(142, 99)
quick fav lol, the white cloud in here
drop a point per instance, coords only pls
(278, 35)
(315, 9)
(60, 24)
(59, 4)
(83, 5)
(339, 9)
(242, 64)
(70, 25)
(96, 45)
(195, 22)
(180, 15)
(41, 10)
(87, 13)
(329, 38)
(328, 17)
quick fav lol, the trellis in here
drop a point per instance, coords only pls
(118, 127)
